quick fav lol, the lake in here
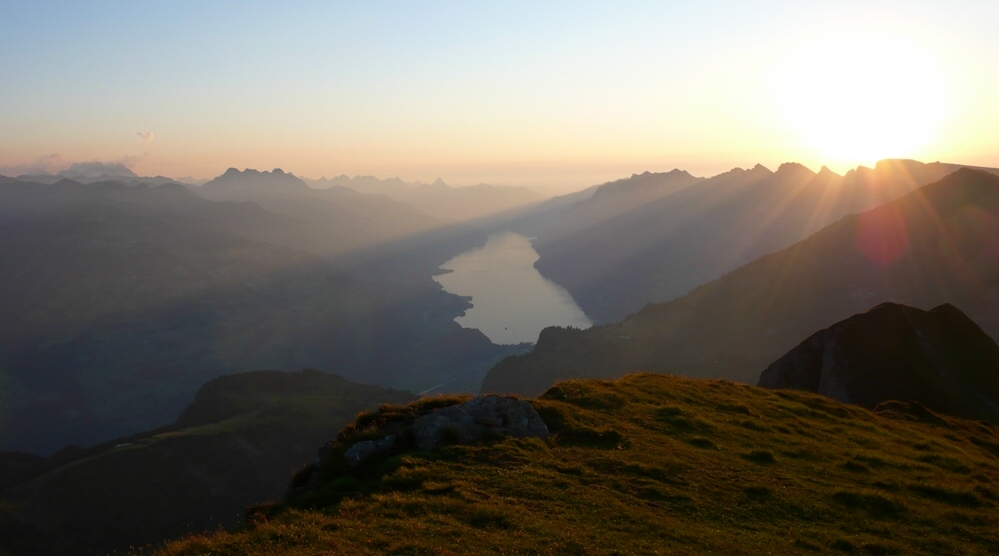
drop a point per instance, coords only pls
(512, 302)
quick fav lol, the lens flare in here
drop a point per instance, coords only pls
(882, 235)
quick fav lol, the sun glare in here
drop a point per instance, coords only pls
(861, 100)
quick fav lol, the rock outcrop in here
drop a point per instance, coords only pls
(477, 418)
(367, 448)
(939, 358)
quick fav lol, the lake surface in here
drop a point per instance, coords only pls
(512, 301)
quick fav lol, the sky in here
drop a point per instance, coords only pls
(558, 95)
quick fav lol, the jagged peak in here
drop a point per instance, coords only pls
(759, 168)
(276, 172)
(673, 172)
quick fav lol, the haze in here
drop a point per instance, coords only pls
(556, 96)
(557, 277)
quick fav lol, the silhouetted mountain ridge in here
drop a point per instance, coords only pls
(938, 358)
(614, 262)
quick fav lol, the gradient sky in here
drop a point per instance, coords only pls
(558, 94)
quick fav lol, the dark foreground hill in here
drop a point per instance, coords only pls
(939, 358)
(622, 248)
(236, 445)
(656, 464)
(936, 245)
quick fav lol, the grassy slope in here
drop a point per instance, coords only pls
(658, 464)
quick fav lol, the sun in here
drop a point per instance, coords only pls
(858, 100)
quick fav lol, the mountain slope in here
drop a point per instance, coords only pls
(935, 245)
(614, 262)
(939, 358)
(615, 198)
(655, 464)
(236, 445)
(541, 219)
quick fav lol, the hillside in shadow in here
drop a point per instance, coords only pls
(938, 244)
(237, 444)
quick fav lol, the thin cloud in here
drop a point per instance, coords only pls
(146, 137)
(54, 164)
(48, 164)
(129, 161)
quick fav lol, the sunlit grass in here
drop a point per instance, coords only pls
(656, 464)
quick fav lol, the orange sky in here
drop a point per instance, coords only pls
(559, 96)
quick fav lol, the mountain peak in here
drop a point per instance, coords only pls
(793, 168)
(675, 172)
(825, 171)
(250, 179)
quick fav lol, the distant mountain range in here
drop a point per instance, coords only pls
(356, 220)
(932, 246)
(93, 172)
(436, 203)
(449, 204)
(655, 237)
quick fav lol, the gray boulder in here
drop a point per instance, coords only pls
(478, 417)
(364, 450)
